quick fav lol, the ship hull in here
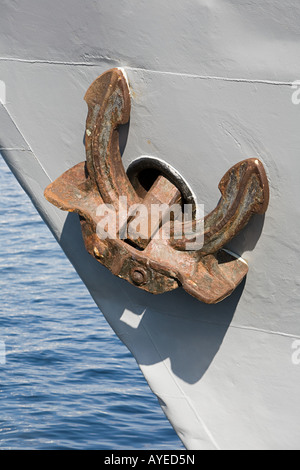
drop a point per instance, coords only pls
(217, 92)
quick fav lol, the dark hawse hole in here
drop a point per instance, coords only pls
(148, 177)
(144, 171)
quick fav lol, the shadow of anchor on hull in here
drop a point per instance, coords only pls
(247, 239)
(172, 327)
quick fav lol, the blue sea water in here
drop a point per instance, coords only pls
(66, 381)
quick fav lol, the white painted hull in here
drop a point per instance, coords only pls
(211, 85)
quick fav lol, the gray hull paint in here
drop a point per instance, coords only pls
(211, 85)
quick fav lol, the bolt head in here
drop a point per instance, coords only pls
(139, 276)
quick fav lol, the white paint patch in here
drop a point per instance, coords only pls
(132, 319)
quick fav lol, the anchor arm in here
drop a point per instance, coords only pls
(245, 191)
(108, 100)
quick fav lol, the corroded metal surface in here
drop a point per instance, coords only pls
(151, 262)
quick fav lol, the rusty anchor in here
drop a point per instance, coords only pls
(150, 262)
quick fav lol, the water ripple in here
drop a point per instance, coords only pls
(68, 382)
